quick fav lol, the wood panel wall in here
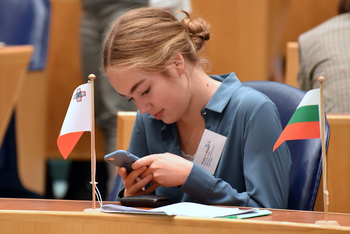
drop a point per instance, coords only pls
(247, 35)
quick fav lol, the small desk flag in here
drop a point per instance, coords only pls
(305, 122)
(77, 120)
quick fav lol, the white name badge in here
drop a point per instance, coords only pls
(209, 150)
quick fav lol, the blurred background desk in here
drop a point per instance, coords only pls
(58, 216)
(14, 61)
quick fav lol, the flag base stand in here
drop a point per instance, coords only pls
(92, 210)
(327, 223)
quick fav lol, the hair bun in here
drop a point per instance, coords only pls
(198, 31)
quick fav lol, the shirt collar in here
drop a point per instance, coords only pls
(223, 94)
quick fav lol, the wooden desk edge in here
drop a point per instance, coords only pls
(338, 119)
(17, 49)
(6, 215)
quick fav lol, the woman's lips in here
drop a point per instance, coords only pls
(159, 115)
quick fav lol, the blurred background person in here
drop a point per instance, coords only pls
(325, 51)
(173, 5)
(97, 15)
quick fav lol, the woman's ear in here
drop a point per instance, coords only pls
(179, 62)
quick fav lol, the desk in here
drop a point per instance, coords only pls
(62, 216)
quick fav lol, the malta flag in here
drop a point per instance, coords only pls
(77, 120)
(305, 122)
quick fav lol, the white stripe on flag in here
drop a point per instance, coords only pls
(312, 97)
(78, 117)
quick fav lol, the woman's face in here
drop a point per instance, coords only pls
(166, 98)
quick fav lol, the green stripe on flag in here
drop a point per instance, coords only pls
(305, 114)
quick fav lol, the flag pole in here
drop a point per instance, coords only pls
(321, 79)
(92, 77)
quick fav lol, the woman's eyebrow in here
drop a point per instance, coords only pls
(136, 85)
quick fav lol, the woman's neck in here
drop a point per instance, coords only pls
(192, 125)
(202, 88)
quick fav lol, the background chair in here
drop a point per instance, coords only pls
(306, 170)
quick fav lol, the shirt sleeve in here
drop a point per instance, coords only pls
(304, 78)
(266, 173)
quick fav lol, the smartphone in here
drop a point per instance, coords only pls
(121, 158)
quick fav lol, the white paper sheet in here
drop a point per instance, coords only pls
(181, 209)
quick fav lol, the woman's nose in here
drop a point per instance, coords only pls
(144, 107)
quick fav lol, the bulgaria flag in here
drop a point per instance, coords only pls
(77, 120)
(305, 122)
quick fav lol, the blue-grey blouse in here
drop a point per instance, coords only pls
(249, 173)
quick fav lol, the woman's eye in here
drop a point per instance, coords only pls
(146, 91)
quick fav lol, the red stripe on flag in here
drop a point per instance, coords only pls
(67, 142)
(298, 131)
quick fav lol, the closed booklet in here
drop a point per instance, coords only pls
(147, 200)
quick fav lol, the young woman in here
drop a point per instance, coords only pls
(201, 138)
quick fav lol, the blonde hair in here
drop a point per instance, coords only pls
(149, 37)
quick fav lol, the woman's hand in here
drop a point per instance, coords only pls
(134, 185)
(163, 169)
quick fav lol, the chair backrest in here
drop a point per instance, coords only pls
(125, 123)
(292, 64)
(26, 22)
(306, 169)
